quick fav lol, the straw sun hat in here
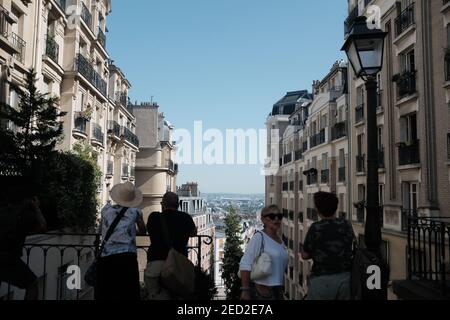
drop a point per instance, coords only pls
(126, 195)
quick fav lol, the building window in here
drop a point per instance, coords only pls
(448, 146)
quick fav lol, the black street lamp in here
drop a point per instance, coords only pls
(364, 48)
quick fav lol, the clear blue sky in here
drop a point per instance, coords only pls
(224, 62)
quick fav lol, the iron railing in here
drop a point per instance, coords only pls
(114, 128)
(339, 130)
(130, 136)
(85, 68)
(52, 48)
(409, 153)
(342, 174)
(325, 176)
(86, 15)
(20, 46)
(312, 214)
(318, 139)
(97, 132)
(359, 113)
(101, 37)
(404, 20)
(361, 164)
(122, 98)
(110, 168)
(406, 84)
(51, 258)
(429, 250)
(80, 124)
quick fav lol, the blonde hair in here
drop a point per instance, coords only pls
(269, 208)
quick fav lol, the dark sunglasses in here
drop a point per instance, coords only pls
(274, 216)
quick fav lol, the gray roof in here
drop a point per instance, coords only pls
(287, 104)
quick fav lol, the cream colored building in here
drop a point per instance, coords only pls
(413, 122)
(156, 167)
(64, 42)
(192, 203)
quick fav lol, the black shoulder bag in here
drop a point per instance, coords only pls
(91, 274)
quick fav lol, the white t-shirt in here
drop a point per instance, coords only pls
(275, 250)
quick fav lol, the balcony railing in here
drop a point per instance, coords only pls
(325, 176)
(85, 68)
(52, 49)
(406, 84)
(122, 98)
(101, 37)
(342, 174)
(97, 132)
(406, 215)
(318, 139)
(409, 153)
(360, 215)
(86, 15)
(428, 251)
(361, 164)
(20, 46)
(298, 155)
(359, 113)
(381, 163)
(110, 168)
(50, 260)
(312, 214)
(404, 20)
(114, 128)
(339, 130)
(80, 124)
(125, 170)
(130, 136)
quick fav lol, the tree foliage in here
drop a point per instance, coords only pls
(232, 255)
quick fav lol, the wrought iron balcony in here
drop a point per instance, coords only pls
(318, 139)
(312, 214)
(428, 250)
(130, 136)
(52, 48)
(409, 153)
(339, 130)
(122, 98)
(114, 128)
(298, 155)
(125, 170)
(101, 37)
(20, 45)
(50, 260)
(361, 164)
(325, 176)
(404, 20)
(406, 83)
(287, 158)
(381, 163)
(86, 15)
(85, 68)
(342, 174)
(359, 113)
(80, 124)
(360, 215)
(110, 168)
(97, 132)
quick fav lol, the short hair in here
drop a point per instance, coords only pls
(269, 208)
(326, 203)
(171, 200)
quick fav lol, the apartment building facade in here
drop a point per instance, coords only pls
(156, 167)
(64, 42)
(413, 122)
(194, 204)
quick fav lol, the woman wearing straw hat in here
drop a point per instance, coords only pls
(118, 273)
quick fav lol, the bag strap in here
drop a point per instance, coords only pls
(165, 231)
(261, 250)
(111, 229)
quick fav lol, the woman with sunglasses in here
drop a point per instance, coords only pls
(271, 287)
